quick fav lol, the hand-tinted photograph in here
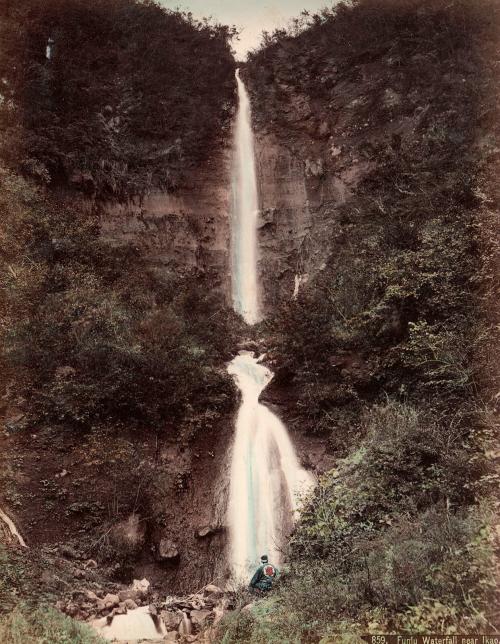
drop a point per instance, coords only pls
(249, 321)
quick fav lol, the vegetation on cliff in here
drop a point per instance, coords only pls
(387, 349)
(131, 96)
(90, 333)
(102, 357)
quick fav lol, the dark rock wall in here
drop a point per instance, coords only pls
(298, 197)
(185, 230)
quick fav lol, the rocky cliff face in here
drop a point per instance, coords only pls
(141, 508)
(322, 127)
(299, 198)
(182, 231)
(299, 190)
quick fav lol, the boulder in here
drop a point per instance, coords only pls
(213, 590)
(110, 601)
(199, 617)
(89, 594)
(130, 604)
(128, 595)
(172, 619)
(141, 587)
(119, 610)
(167, 550)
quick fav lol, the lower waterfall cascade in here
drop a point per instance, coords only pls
(266, 477)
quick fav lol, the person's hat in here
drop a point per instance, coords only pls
(264, 559)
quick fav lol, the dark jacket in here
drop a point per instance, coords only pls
(264, 577)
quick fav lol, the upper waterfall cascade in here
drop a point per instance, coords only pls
(245, 213)
(266, 477)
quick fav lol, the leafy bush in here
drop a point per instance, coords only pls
(266, 622)
(407, 464)
(44, 625)
(388, 528)
(91, 334)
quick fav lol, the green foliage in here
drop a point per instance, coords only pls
(133, 95)
(44, 625)
(431, 573)
(386, 534)
(408, 463)
(91, 334)
(266, 622)
(11, 577)
(384, 347)
(395, 309)
(390, 527)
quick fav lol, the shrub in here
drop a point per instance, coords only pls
(91, 335)
(44, 625)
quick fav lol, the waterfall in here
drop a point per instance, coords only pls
(266, 477)
(245, 213)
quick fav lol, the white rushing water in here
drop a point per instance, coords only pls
(135, 626)
(266, 477)
(245, 213)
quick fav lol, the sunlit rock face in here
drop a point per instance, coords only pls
(298, 217)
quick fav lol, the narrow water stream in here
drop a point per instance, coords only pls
(245, 213)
